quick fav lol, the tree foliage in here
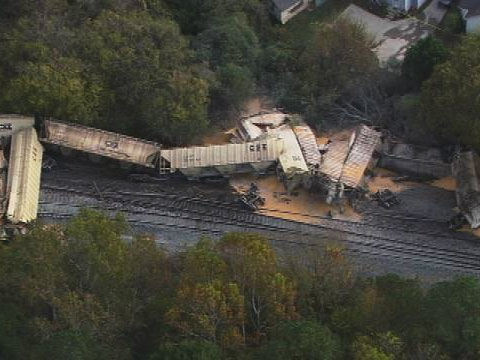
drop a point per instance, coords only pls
(449, 99)
(166, 69)
(336, 58)
(92, 290)
(109, 64)
(421, 59)
(302, 340)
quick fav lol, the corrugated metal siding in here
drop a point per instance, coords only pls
(360, 155)
(346, 161)
(308, 144)
(3, 183)
(334, 159)
(11, 123)
(465, 169)
(195, 157)
(24, 172)
(101, 142)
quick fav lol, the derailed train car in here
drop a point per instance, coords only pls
(193, 162)
(12, 123)
(24, 172)
(221, 160)
(101, 142)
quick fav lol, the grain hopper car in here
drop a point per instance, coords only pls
(24, 172)
(101, 142)
(193, 162)
(221, 160)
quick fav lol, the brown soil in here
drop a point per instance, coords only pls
(218, 138)
(257, 104)
(469, 230)
(447, 183)
(383, 179)
(304, 206)
(334, 135)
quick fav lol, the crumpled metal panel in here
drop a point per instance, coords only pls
(359, 156)
(308, 144)
(334, 159)
(465, 167)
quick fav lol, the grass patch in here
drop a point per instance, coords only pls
(300, 27)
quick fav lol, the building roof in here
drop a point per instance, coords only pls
(101, 142)
(24, 172)
(283, 5)
(218, 155)
(472, 7)
(465, 169)
(392, 37)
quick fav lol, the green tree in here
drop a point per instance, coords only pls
(452, 315)
(236, 84)
(58, 88)
(229, 41)
(385, 346)
(421, 59)
(187, 350)
(449, 99)
(153, 89)
(207, 304)
(269, 294)
(325, 279)
(80, 291)
(301, 340)
(194, 16)
(337, 57)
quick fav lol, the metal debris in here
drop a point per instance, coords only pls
(252, 198)
(386, 198)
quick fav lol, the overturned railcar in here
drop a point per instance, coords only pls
(24, 172)
(221, 160)
(466, 170)
(101, 142)
(12, 123)
(344, 164)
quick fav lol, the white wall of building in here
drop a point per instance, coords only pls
(400, 4)
(473, 24)
(406, 5)
(420, 3)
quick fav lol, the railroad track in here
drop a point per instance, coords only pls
(195, 215)
(282, 236)
(235, 211)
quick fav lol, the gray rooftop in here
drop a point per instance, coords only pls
(472, 6)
